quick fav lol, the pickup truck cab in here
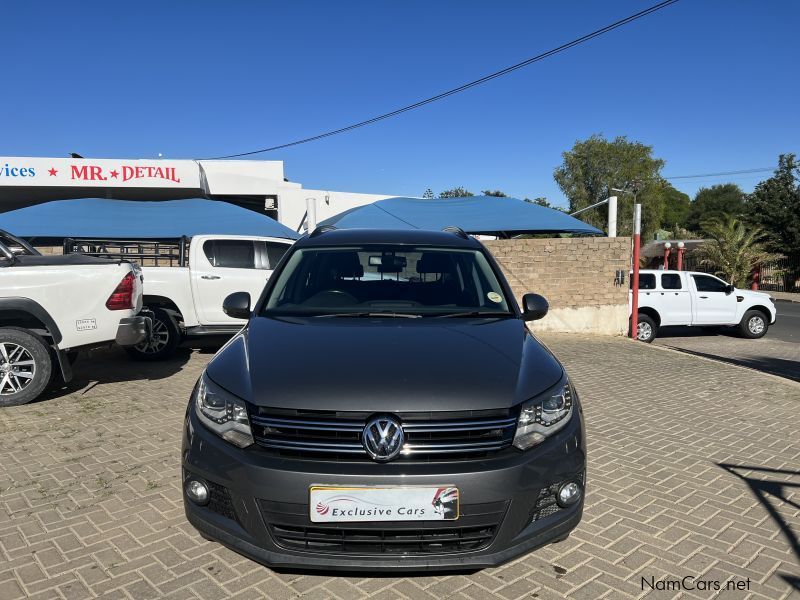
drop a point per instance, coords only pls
(186, 298)
(699, 299)
(53, 306)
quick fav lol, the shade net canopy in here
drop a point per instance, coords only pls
(487, 215)
(124, 219)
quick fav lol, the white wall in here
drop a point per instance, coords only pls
(292, 204)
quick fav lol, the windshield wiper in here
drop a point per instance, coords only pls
(368, 314)
(475, 313)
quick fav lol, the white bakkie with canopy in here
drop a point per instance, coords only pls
(691, 298)
(186, 298)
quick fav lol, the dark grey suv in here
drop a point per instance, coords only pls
(385, 407)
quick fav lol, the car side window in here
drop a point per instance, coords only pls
(671, 281)
(232, 254)
(704, 283)
(275, 253)
(647, 281)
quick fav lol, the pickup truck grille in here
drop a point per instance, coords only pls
(428, 436)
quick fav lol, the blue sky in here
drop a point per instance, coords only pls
(711, 84)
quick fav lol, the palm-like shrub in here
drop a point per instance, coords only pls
(733, 250)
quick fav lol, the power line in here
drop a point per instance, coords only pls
(465, 86)
(739, 172)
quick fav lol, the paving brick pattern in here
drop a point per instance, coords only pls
(693, 472)
(767, 354)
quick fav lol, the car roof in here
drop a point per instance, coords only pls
(338, 237)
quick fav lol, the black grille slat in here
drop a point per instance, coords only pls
(337, 434)
(475, 529)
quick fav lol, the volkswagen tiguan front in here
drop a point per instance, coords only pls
(384, 407)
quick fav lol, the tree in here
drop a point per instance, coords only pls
(733, 249)
(428, 194)
(775, 206)
(542, 201)
(593, 166)
(456, 192)
(676, 208)
(714, 204)
(496, 193)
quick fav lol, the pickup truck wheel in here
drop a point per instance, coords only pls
(25, 366)
(754, 324)
(162, 342)
(646, 329)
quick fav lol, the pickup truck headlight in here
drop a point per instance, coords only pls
(544, 415)
(223, 413)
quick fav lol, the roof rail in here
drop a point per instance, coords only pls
(322, 229)
(456, 230)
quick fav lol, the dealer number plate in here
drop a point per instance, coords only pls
(330, 504)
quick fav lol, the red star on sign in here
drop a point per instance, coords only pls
(52, 171)
(114, 173)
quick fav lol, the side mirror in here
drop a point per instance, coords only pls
(729, 290)
(237, 305)
(534, 307)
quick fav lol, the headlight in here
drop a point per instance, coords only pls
(544, 415)
(222, 412)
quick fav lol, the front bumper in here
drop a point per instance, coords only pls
(249, 487)
(133, 330)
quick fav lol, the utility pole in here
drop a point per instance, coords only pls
(632, 187)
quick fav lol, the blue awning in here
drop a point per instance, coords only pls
(488, 215)
(124, 219)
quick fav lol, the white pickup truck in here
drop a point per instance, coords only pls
(53, 306)
(186, 298)
(692, 298)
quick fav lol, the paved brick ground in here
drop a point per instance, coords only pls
(767, 354)
(694, 471)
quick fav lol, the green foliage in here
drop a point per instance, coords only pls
(596, 165)
(456, 192)
(496, 193)
(542, 201)
(676, 208)
(732, 249)
(714, 204)
(428, 194)
(775, 206)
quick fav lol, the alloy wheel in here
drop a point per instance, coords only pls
(17, 368)
(157, 340)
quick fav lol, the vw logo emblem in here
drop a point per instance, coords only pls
(383, 438)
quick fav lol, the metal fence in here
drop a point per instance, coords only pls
(782, 275)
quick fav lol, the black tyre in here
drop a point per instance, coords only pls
(162, 343)
(25, 366)
(754, 324)
(646, 329)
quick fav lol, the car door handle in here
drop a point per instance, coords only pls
(704, 297)
(210, 277)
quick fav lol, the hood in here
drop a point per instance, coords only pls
(752, 294)
(385, 364)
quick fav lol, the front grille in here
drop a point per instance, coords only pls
(475, 529)
(428, 435)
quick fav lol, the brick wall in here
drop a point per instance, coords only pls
(576, 275)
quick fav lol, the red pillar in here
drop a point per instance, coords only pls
(681, 250)
(667, 250)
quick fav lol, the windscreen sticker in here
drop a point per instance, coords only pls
(494, 297)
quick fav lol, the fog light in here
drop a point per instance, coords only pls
(568, 494)
(197, 492)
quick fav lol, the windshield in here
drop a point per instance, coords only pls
(386, 279)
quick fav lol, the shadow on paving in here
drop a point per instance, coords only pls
(769, 493)
(113, 365)
(782, 367)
